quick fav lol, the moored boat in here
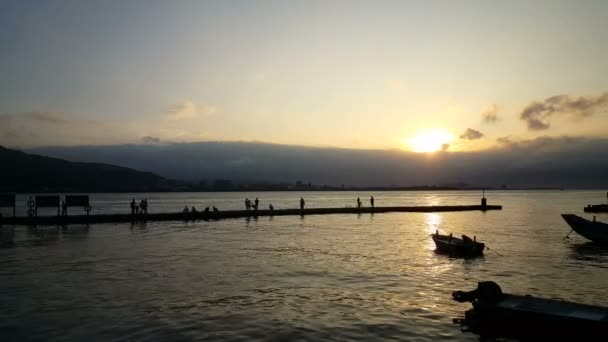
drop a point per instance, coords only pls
(593, 230)
(495, 313)
(465, 246)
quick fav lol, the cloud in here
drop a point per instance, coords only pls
(546, 161)
(490, 115)
(241, 161)
(48, 117)
(537, 114)
(150, 140)
(188, 110)
(471, 134)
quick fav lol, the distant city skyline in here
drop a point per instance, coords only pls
(413, 75)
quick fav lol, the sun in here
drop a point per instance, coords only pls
(431, 141)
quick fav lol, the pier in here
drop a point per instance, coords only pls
(179, 216)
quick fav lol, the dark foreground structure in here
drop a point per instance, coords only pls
(214, 215)
(495, 314)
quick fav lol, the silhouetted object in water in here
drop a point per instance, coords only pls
(465, 247)
(270, 207)
(302, 203)
(215, 210)
(173, 216)
(185, 211)
(134, 206)
(247, 204)
(193, 210)
(597, 208)
(593, 230)
(144, 206)
(206, 209)
(358, 202)
(371, 201)
(498, 314)
(257, 202)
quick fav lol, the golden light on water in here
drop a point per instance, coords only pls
(431, 141)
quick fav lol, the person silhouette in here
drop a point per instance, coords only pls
(358, 202)
(247, 204)
(193, 210)
(133, 206)
(371, 201)
(215, 209)
(302, 203)
(186, 210)
(206, 209)
(270, 207)
(257, 202)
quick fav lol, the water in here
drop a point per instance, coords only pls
(332, 277)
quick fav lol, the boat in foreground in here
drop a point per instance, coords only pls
(495, 313)
(593, 230)
(465, 246)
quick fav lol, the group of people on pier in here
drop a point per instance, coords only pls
(194, 211)
(254, 205)
(141, 208)
(371, 202)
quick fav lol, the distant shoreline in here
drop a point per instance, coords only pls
(293, 190)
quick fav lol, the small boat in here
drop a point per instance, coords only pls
(495, 313)
(593, 230)
(465, 246)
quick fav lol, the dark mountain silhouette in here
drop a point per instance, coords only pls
(566, 162)
(22, 172)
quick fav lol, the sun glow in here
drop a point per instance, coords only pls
(431, 141)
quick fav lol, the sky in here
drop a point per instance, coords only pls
(412, 75)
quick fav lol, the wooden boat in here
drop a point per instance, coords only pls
(593, 230)
(448, 244)
(495, 313)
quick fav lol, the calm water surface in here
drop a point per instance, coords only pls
(334, 277)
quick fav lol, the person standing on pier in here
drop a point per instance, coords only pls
(247, 204)
(371, 201)
(270, 207)
(145, 206)
(64, 208)
(257, 202)
(358, 202)
(133, 206)
(302, 203)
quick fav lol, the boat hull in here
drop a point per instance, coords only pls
(591, 230)
(457, 247)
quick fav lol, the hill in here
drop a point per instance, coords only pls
(22, 172)
(565, 162)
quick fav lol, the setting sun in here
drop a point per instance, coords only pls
(431, 141)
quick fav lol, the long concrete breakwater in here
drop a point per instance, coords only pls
(180, 216)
